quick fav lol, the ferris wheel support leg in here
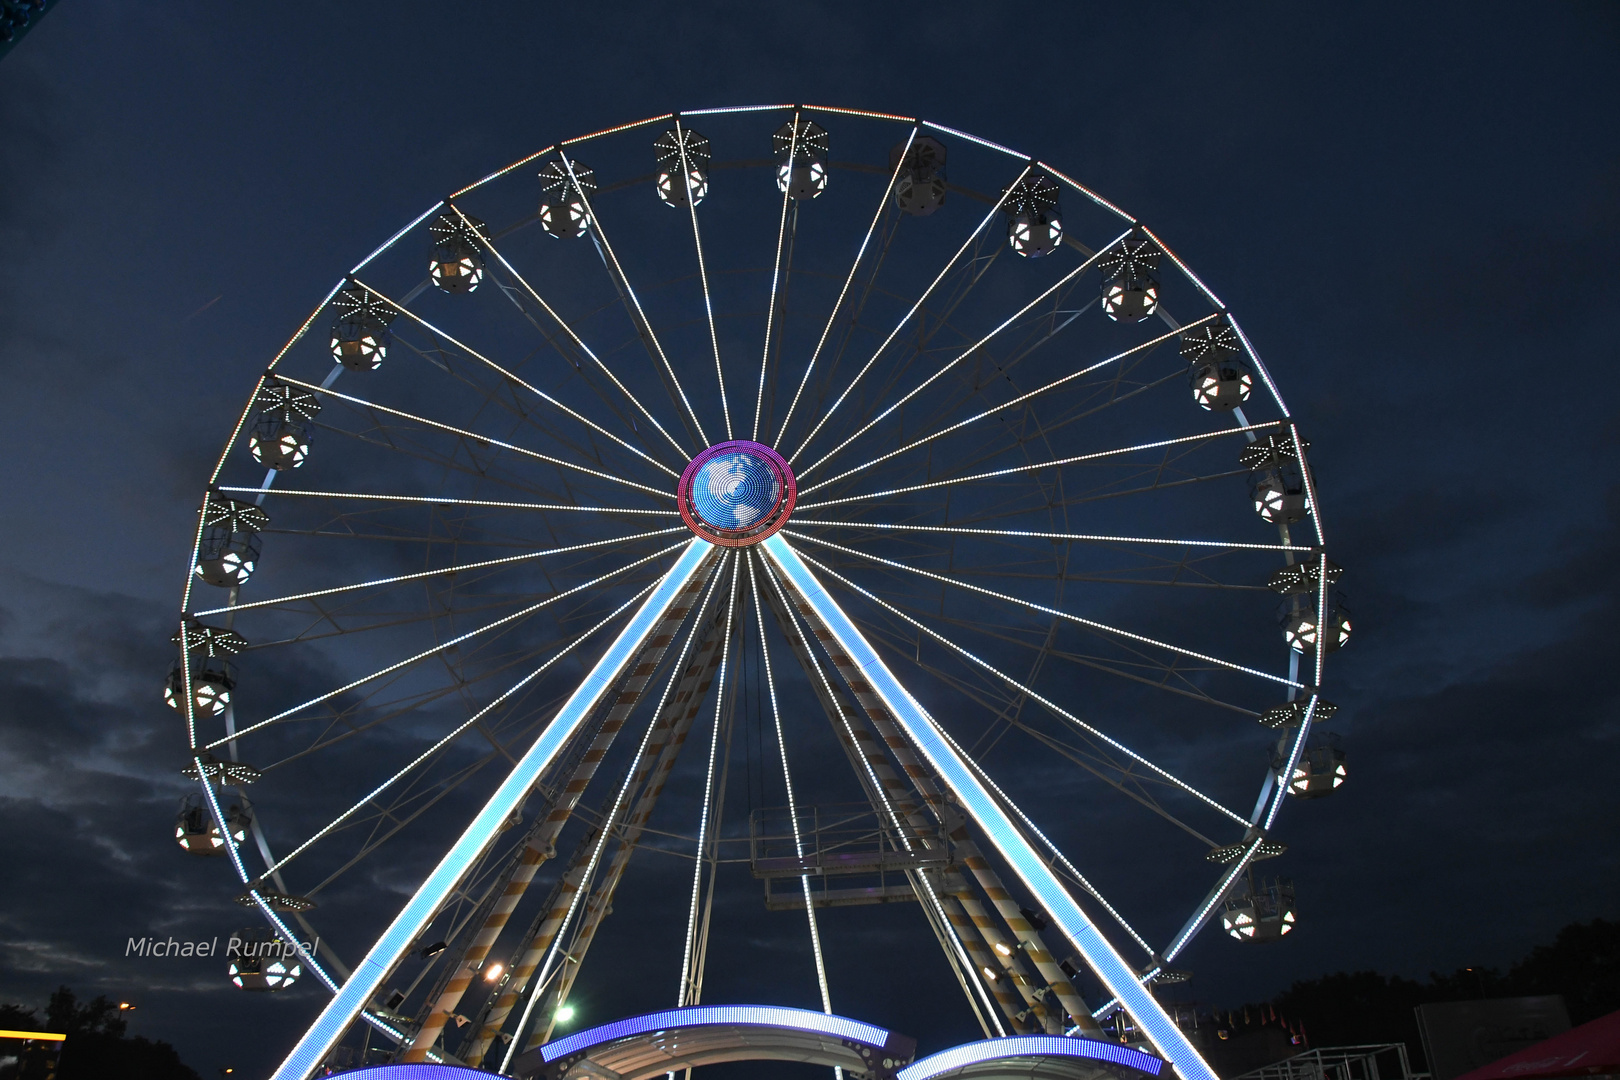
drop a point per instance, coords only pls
(867, 667)
(316, 1043)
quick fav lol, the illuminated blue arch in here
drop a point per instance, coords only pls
(675, 1039)
(1022, 1055)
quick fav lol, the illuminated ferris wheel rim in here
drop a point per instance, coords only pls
(747, 529)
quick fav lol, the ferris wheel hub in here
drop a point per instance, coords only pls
(736, 493)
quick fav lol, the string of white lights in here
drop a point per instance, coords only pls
(1259, 365)
(1087, 192)
(1053, 385)
(687, 994)
(1030, 693)
(1185, 269)
(391, 668)
(1034, 535)
(652, 335)
(436, 500)
(391, 241)
(734, 109)
(1055, 463)
(703, 271)
(579, 342)
(787, 780)
(1216, 895)
(509, 375)
(904, 319)
(459, 568)
(1057, 853)
(1043, 609)
(860, 253)
(456, 731)
(413, 418)
(576, 140)
(920, 387)
(975, 139)
(776, 277)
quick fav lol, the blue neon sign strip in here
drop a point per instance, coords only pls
(837, 1027)
(1016, 1046)
(1099, 955)
(340, 1012)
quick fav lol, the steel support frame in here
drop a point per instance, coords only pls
(867, 667)
(356, 993)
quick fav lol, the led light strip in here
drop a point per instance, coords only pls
(1027, 863)
(504, 620)
(1019, 400)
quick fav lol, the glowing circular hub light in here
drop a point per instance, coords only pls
(736, 493)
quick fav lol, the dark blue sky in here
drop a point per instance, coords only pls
(1413, 209)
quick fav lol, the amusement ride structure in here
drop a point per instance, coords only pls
(899, 490)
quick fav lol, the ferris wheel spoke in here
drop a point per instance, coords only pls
(904, 320)
(692, 957)
(996, 445)
(1047, 703)
(432, 500)
(703, 275)
(1076, 459)
(455, 641)
(1057, 853)
(455, 732)
(1136, 795)
(389, 821)
(463, 433)
(579, 343)
(1090, 624)
(459, 568)
(776, 277)
(920, 387)
(1145, 346)
(787, 780)
(344, 726)
(860, 253)
(1118, 668)
(1096, 538)
(514, 378)
(643, 326)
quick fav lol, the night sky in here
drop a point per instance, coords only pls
(1414, 209)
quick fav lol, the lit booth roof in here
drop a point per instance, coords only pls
(1035, 1057)
(640, 1047)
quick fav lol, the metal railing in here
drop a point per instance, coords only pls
(1378, 1061)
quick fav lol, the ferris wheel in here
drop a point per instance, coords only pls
(895, 457)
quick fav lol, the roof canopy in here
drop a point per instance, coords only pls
(1593, 1049)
